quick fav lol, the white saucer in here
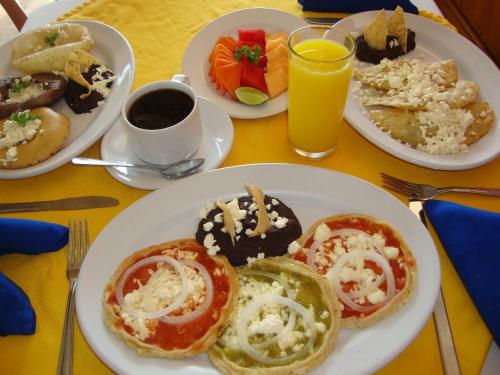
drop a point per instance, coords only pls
(215, 145)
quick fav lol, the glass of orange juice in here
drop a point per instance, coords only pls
(319, 71)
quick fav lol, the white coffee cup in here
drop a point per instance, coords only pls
(170, 144)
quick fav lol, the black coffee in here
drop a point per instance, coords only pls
(160, 109)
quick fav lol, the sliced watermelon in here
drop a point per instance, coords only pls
(252, 35)
(253, 76)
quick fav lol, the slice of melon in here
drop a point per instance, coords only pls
(276, 81)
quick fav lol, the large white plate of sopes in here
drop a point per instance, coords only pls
(196, 58)
(123, 272)
(445, 148)
(109, 50)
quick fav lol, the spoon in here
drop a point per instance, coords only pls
(174, 170)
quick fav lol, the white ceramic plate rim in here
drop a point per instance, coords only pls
(211, 130)
(312, 193)
(472, 63)
(195, 64)
(105, 117)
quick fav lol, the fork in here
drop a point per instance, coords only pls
(78, 244)
(426, 192)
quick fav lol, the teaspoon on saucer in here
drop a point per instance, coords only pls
(174, 170)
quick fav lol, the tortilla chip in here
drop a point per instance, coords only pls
(78, 62)
(375, 33)
(263, 222)
(396, 26)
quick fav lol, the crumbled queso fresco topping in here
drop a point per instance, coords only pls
(14, 133)
(422, 87)
(271, 319)
(23, 89)
(161, 290)
(331, 249)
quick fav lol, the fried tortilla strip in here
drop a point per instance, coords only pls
(483, 121)
(396, 26)
(228, 220)
(464, 93)
(376, 32)
(263, 222)
(388, 73)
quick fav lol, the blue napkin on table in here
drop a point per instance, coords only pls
(471, 238)
(17, 316)
(355, 6)
(30, 236)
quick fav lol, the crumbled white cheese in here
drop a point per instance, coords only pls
(376, 297)
(209, 243)
(391, 252)
(208, 226)
(294, 247)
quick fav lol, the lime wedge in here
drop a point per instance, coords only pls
(251, 96)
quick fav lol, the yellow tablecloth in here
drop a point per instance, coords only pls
(159, 32)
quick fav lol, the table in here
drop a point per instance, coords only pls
(43, 277)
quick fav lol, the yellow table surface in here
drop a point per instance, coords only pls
(159, 32)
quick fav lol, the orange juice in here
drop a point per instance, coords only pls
(317, 90)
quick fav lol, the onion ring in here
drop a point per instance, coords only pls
(292, 318)
(345, 232)
(202, 307)
(369, 255)
(159, 313)
(254, 306)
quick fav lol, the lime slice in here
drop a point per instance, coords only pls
(251, 96)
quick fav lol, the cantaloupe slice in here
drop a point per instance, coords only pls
(273, 43)
(280, 64)
(279, 52)
(271, 36)
(276, 81)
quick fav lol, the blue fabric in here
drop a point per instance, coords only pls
(30, 236)
(17, 317)
(355, 6)
(471, 237)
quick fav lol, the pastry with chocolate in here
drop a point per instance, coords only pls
(385, 38)
(241, 231)
(89, 82)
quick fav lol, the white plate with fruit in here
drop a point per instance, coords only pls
(263, 68)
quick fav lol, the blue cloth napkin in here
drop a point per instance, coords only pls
(355, 6)
(17, 316)
(30, 236)
(471, 237)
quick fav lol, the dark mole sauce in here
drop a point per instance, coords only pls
(275, 243)
(374, 56)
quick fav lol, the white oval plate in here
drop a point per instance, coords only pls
(110, 47)
(434, 42)
(215, 145)
(195, 63)
(312, 193)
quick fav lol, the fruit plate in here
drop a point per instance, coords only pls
(113, 49)
(312, 193)
(195, 62)
(434, 42)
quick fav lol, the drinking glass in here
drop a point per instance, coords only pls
(319, 71)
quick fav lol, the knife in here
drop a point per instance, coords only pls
(322, 20)
(78, 203)
(446, 346)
